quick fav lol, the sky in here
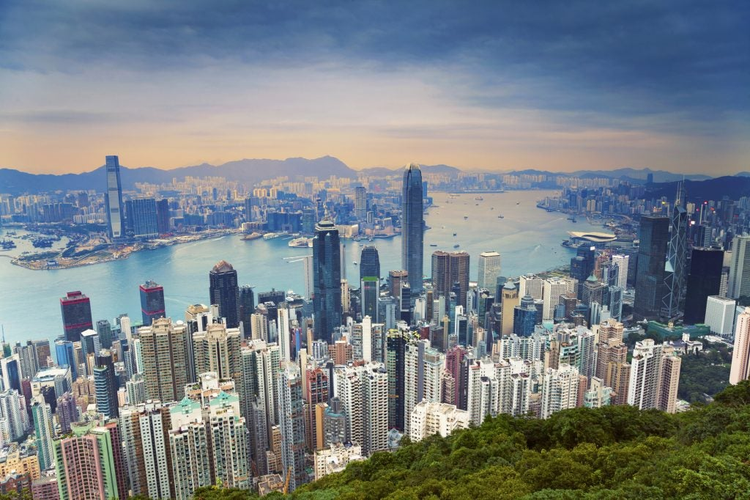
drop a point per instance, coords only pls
(494, 85)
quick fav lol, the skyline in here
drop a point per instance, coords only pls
(484, 87)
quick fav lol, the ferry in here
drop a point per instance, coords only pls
(270, 236)
(466, 217)
(500, 216)
(252, 236)
(433, 244)
(301, 243)
(456, 245)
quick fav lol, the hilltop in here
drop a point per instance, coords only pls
(613, 452)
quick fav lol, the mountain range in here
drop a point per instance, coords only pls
(251, 171)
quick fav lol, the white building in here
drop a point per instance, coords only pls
(531, 285)
(720, 314)
(622, 262)
(552, 290)
(436, 418)
(336, 458)
(423, 371)
(489, 270)
(559, 390)
(654, 376)
(741, 354)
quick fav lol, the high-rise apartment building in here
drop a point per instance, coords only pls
(105, 382)
(650, 287)
(489, 270)
(164, 359)
(76, 315)
(622, 262)
(739, 268)
(423, 372)
(113, 199)
(412, 227)
(292, 423)
(85, 464)
(397, 343)
(428, 419)
(224, 292)
(326, 280)
(43, 432)
(152, 301)
(654, 376)
(559, 390)
(509, 300)
(360, 203)
(217, 349)
(741, 356)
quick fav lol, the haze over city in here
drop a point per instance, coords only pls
(488, 85)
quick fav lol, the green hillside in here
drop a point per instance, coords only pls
(614, 452)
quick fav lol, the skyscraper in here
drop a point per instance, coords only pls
(739, 268)
(65, 354)
(360, 203)
(673, 302)
(224, 292)
(152, 301)
(292, 423)
(164, 360)
(650, 288)
(622, 262)
(326, 280)
(489, 270)
(412, 227)
(703, 281)
(105, 382)
(113, 199)
(76, 315)
(247, 308)
(654, 376)
(369, 275)
(741, 356)
(449, 269)
(142, 218)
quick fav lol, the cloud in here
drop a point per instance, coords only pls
(533, 71)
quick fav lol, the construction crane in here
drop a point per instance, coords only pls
(286, 481)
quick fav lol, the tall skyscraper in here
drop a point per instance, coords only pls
(143, 218)
(105, 382)
(152, 301)
(218, 350)
(489, 270)
(113, 199)
(654, 376)
(582, 266)
(412, 227)
(703, 281)
(65, 354)
(292, 423)
(622, 262)
(162, 216)
(43, 432)
(560, 389)
(741, 356)
(423, 369)
(164, 359)
(85, 464)
(673, 302)
(76, 315)
(326, 280)
(720, 312)
(360, 203)
(739, 268)
(369, 275)
(449, 269)
(247, 308)
(650, 287)
(224, 292)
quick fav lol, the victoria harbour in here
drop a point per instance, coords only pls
(527, 238)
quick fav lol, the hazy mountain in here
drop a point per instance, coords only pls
(247, 171)
(711, 189)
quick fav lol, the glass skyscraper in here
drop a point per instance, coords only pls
(326, 280)
(143, 218)
(76, 315)
(113, 198)
(650, 287)
(412, 228)
(225, 292)
(369, 276)
(152, 301)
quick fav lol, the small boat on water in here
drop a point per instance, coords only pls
(456, 245)
(433, 244)
(252, 236)
(301, 243)
(270, 236)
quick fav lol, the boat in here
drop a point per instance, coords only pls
(270, 236)
(500, 216)
(456, 245)
(479, 198)
(356, 264)
(572, 219)
(518, 203)
(454, 234)
(252, 236)
(301, 243)
(7, 244)
(433, 244)
(466, 217)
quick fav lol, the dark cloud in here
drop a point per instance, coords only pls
(634, 58)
